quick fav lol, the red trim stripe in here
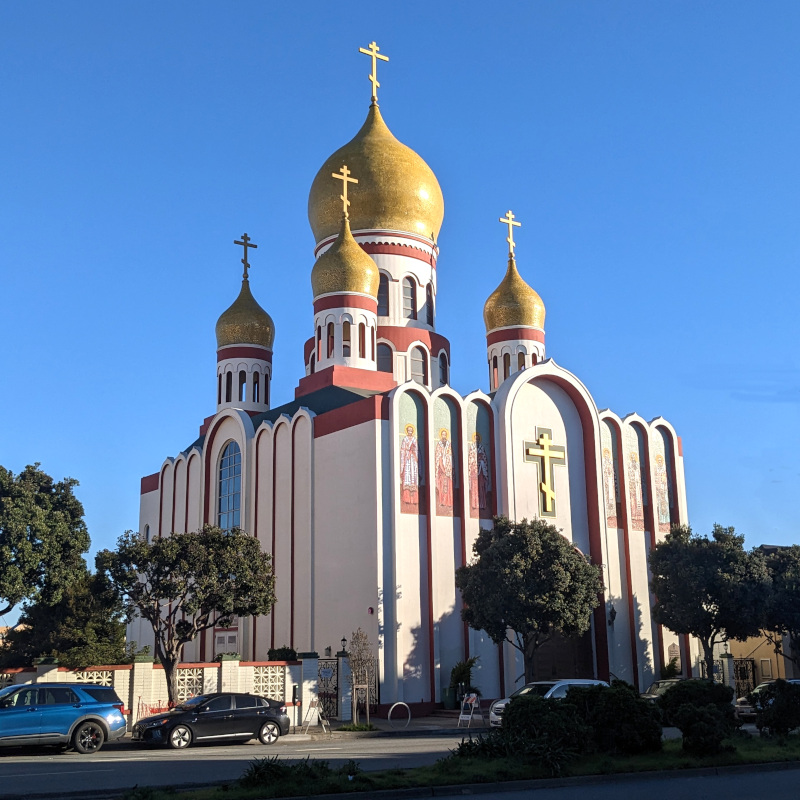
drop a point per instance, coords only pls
(511, 334)
(346, 301)
(242, 351)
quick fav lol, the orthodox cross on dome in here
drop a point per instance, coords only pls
(245, 243)
(547, 455)
(372, 51)
(343, 176)
(509, 220)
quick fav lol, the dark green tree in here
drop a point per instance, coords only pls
(526, 584)
(185, 583)
(84, 627)
(42, 537)
(783, 605)
(712, 589)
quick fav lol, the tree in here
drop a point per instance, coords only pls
(42, 537)
(783, 602)
(529, 580)
(185, 583)
(84, 627)
(710, 588)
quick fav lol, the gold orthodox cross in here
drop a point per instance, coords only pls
(372, 50)
(509, 220)
(342, 175)
(245, 243)
(547, 454)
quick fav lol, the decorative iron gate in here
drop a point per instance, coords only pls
(374, 688)
(328, 691)
(744, 676)
(717, 676)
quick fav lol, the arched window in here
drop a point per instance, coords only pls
(521, 361)
(230, 487)
(534, 359)
(419, 366)
(330, 340)
(311, 364)
(219, 389)
(242, 386)
(506, 365)
(362, 340)
(383, 296)
(385, 361)
(494, 372)
(319, 342)
(373, 343)
(228, 386)
(147, 533)
(409, 299)
(443, 376)
(346, 339)
(429, 305)
(266, 389)
(256, 388)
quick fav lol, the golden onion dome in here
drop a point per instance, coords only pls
(513, 303)
(344, 268)
(245, 322)
(397, 190)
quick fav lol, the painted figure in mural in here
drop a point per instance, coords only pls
(409, 468)
(443, 460)
(635, 492)
(479, 483)
(662, 492)
(609, 485)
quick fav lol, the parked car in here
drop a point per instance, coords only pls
(80, 715)
(548, 689)
(657, 688)
(220, 717)
(745, 710)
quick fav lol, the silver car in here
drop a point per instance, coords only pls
(745, 710)
(548, 689)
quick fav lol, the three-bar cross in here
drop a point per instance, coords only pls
(245, 243)
(342, 175)
(372, 51)
(509, 220)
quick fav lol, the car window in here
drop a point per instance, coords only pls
(102, 694)
(218, 704)
(25, 697)
(192, 702)
(536, 688)
(559, 691)
(247, 701)
(57, 696)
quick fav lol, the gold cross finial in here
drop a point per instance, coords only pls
(245, 243)
(342, 175)
(372, 51)
(509, 220)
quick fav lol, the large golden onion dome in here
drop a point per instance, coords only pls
(245, 322)
(344, 268)
(513, 303)
(397, 190)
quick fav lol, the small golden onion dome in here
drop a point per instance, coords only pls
(245, 322)
(396, 189)
(344, 268)
(513, 303)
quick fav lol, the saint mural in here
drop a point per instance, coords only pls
(635, 492)
(443, 462)
(479, 481)
(663, 499)
(609, 487)
(409, 472)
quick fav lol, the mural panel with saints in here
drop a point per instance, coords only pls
(609, 466)
(445, 457)
(662, 480)
(411, 422)
(637, 488)
(479, 464)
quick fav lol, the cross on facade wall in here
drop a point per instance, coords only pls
(547, 455)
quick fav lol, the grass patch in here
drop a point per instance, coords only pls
(314, 777)
(352, 727)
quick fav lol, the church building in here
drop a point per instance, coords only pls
(369, 487)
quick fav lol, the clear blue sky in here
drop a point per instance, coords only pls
(651, 150)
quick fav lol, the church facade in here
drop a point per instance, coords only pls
(370, 486)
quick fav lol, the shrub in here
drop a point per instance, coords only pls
(284, 653)
(461, 675)
(778, 709)
(671, 670)
(620, 721)
(704, 728)
(263, 772)
(698, 693)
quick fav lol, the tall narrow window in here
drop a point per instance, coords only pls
(419, 366)
(219, 389)
(346, 340)
(506, 365)
(330, 340)
(443, 369)
(383, 296)
(373, 343)
(228, 386)
(242, 386)
(521, 361)
(266, 389)
(256, 388)
(494, 372)
(534, 360)
(319, 342)
(362, 340)
(429, 305)
(385, 358)
(230, 487)
(147, 533)
(311, 364)
(409, 299)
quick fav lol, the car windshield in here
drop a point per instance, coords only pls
(535, 688)
(8, 689)
(191, 703)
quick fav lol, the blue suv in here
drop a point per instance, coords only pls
(81, 715)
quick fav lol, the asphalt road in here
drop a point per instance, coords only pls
(123, 765)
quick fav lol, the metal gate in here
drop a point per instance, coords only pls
(744, 676)
(328, 686)
(374, 688)
(717, 676)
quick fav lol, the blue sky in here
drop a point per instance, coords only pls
(649, 149)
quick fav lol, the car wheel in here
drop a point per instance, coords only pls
(88, 737)
(180, 736)
(269, 733)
